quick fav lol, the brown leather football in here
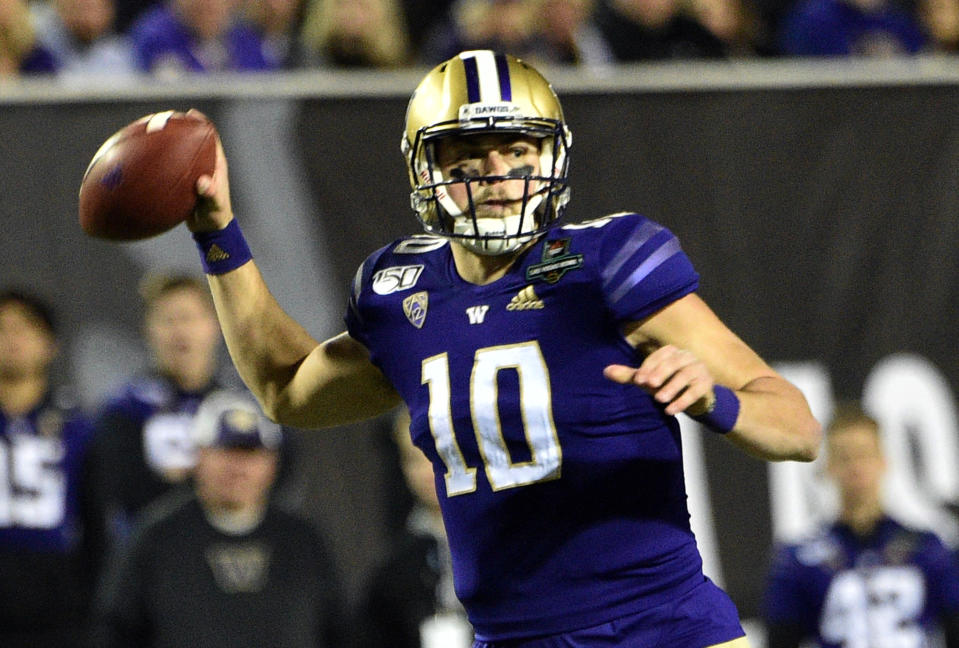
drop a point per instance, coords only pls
(142, 180)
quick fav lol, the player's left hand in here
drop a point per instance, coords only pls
(672, 376)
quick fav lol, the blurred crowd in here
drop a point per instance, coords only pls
(169, 514)
(169, 38)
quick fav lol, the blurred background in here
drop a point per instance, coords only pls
(817, 193)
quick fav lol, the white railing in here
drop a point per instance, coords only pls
(653, 77)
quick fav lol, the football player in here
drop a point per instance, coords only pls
(864, 579)
(543, 366)
(45, 559)
(141, 446)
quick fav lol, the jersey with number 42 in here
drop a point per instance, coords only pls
(562, 491)
(889, 589)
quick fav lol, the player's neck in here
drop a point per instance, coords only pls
(20, 396)
(862, 517)
(482, 269)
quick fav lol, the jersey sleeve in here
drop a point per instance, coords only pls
(643, 267)
(354, 319)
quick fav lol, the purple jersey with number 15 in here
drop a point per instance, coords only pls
(562, 491)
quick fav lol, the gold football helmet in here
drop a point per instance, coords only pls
(480, 92)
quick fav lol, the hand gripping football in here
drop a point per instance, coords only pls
(142, 180)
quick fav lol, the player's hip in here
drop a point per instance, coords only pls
(703, 617)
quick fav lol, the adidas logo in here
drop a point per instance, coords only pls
(526, 299)
(216, 253)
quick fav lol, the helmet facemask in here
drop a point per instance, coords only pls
(543, 196)
(545, 191)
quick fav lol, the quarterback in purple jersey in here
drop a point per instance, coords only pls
(865, 579)
(542, 365)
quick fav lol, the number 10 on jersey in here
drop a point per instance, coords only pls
(535, 399)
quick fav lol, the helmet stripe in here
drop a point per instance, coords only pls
(487, 76)
(472, 80)
(502, 69)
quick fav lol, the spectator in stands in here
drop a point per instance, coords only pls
(46, 571)
(18, 51)
(223, 565)
(421, 17)
(940, 19)
(278, 23)
(864, 580)
(565, 33)
(141, 445)
(501, 25)
(78, 38)
(644, 30)
(409, 601)
(355, 34)
(129, 10)
(195, 36)
(737, 25)
(870, 28)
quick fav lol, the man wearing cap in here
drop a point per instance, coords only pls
(222, 565)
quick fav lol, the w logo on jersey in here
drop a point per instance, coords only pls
(477, 313)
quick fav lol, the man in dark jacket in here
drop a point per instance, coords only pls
(223, 565)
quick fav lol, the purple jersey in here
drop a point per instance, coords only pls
(41, 456)
(888, 589)
(562, 491)
(141, 448)
(45, 559)
(162, 43)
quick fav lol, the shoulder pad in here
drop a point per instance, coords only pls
(419, 243)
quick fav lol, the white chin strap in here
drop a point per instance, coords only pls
(496, 227)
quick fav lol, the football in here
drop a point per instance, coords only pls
(142, 180)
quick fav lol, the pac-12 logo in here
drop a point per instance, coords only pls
(391, 280)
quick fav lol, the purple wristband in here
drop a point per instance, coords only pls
(222, 250)
(722, 416)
